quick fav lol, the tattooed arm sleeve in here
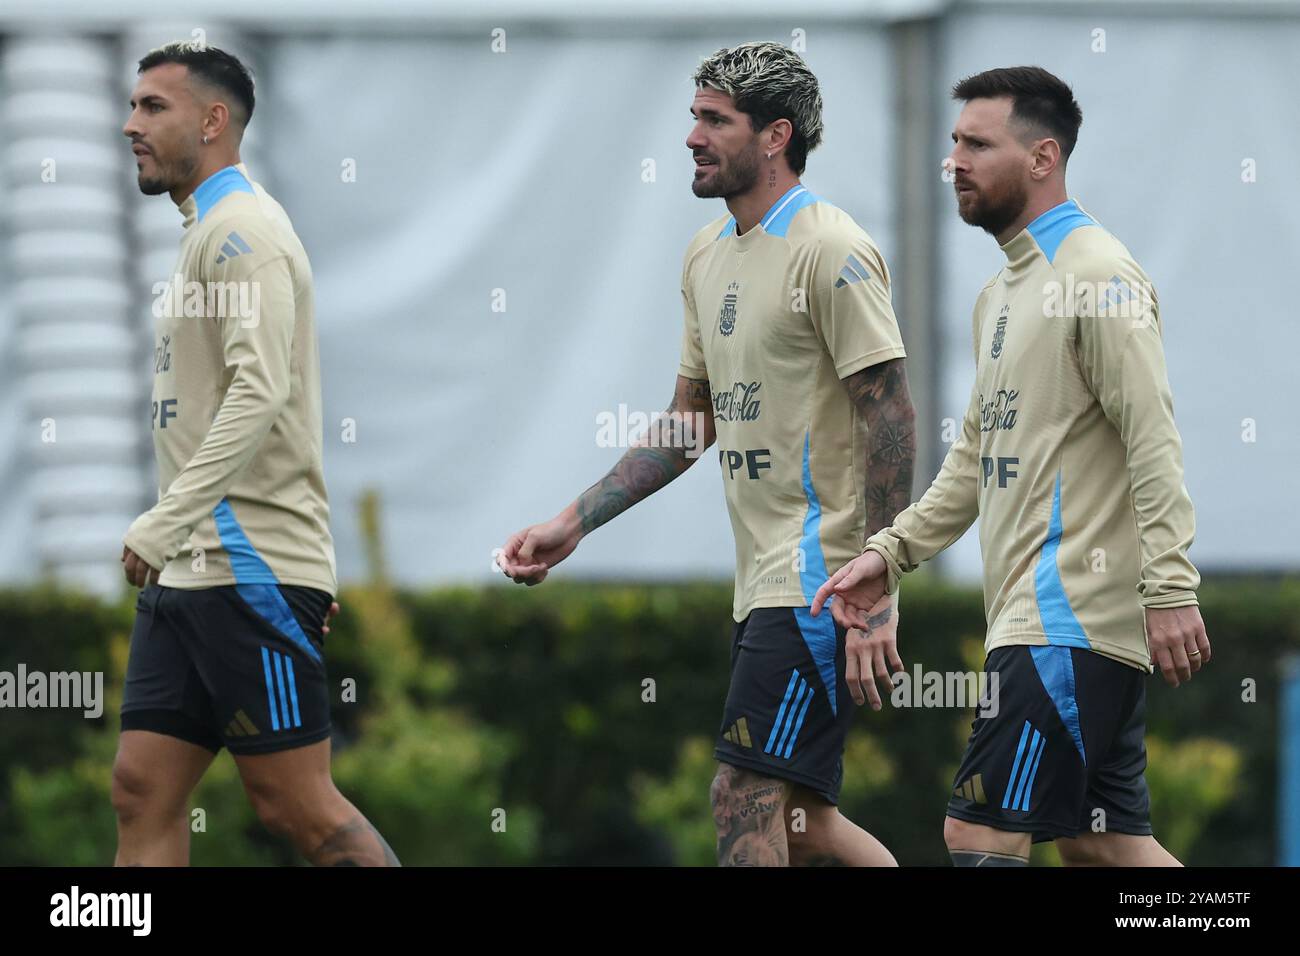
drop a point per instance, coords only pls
(670, 446)
(945, 511)
(882, 398)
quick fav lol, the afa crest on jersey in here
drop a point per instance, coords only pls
(727, 316)
(1000, 332)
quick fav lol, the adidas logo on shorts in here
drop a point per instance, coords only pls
(241, 726)
(738, 734)
(972, 790)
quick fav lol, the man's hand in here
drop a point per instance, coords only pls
(1178, 642)
(138, 573)
(329, 615)
(530, 554)
(857, 587)
(869, 656)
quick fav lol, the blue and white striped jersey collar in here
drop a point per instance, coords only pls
(776, 221)
(1048, 231)
(222, 183)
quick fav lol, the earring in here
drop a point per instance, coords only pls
(205, 142)
(769, 155)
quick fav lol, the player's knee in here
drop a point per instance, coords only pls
(960, 835)
(274, 806)
(810, 833)
(1087, 850)
(301, 814)
(811, 823)
(133, 792)
(276, 814)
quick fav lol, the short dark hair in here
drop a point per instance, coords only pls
(1038, 99)
(212, 66)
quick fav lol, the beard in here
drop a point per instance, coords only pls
(736, 176)
(994, 212)
(167, 176)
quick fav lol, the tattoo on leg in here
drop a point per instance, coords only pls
(749, 815)
(986, 858)
(355, 843)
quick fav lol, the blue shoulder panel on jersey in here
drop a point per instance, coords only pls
(778, 218)
(818, 632)
(1050, 229)
(216, 187)
(776, 221)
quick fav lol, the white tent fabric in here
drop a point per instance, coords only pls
(431, 178)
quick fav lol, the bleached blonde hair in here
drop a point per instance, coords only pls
(769, 82)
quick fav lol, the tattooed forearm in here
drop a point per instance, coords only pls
(881, 396)
(661, 455)
(356, 843)
(639, 473)
(749, 815)
(698, 395)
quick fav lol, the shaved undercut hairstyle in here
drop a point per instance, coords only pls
(1042, 104)
(769, 82)
(210, 67)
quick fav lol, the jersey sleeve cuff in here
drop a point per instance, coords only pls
(136, 540)
(845, 369)
(692, 373)
(893, 572)
(1171, 599)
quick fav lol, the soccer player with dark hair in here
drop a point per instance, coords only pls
(235, 560)
(1070, 458)
(792, 359)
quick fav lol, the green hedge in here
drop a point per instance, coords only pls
(471, 702)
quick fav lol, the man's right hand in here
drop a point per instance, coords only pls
(530, 554)
(138, 573)
(856, 587)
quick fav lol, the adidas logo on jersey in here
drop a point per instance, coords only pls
(232, 247)
(853, 271)
(972, 790)
(738, 734)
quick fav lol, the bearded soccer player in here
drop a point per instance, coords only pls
(1071, 460)
(236, 558)
(793, 361)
